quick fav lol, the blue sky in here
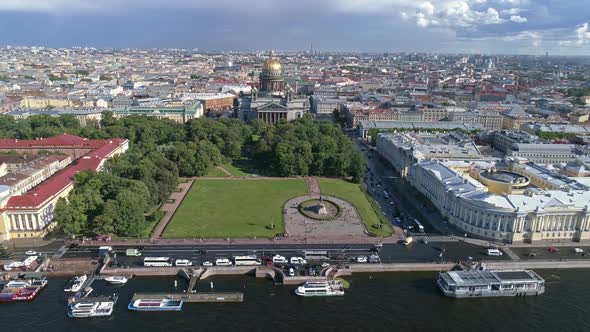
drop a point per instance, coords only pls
(475, 26)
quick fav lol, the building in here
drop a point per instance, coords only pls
(180, 114)
(560, 128)
(385, 126)
(504, 140)
(545, 153)
(275, 101)
(84, 116)
(487, 119)
(403, 150)
(324, 107)
(212, 101)
(30, 191)
(522, 213)
(514, 118)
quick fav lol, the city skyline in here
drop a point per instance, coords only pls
(448, 26)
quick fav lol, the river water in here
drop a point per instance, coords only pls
(376, 302)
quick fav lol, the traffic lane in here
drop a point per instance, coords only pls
(416, 252)
(543, 253)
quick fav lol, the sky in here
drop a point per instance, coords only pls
(560, 27)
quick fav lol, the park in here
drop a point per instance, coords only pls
(256, 207)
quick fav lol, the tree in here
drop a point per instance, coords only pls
(70, 217)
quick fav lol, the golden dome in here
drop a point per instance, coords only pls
(272, 65)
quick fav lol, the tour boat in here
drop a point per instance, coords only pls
(92, 309)
(116, 280)
(321, 288)
(155, 305)
(76, 284)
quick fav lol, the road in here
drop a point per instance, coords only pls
(415, 253)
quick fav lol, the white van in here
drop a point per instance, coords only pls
(133, 252)
(291, 272)
(183, 262)
(223, 262)
(494, 252)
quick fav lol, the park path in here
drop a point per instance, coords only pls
(170, 208)
(225, 171)
(313, 185)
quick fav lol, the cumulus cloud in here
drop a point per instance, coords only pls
(518, 19)
(535, 37)
(581, 36)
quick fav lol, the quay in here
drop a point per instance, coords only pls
(226, 297)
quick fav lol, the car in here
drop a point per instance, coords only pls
(291, 272)
(494, 252)
(183, 262)
(207, 263)
(31, 253)
(297, 260)
(361, 259)
(278, 259)
(223, 262)
(374, 259)
(578, 250)
(391, 203)
(552, 249)
(325, 264)
(424, 240)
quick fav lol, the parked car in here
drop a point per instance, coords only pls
(494, 252)
(223, 262)
(361, 259)
(278, 259)
(374, 259)
(207, 263)
(31, 253)
(552, 249)
(298, 260)
(578, 250)
(183, 262)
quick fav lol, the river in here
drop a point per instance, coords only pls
(376, 302)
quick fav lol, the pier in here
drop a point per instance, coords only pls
(229, 297)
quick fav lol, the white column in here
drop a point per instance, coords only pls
(36, 225)
(13, 221)
(20, 223)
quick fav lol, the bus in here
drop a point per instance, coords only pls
(418, 226)
(157, 261)
(247, 260)
(316, 255)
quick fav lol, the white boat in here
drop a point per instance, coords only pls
(116, 280)
(17, 284)
(76, 284)
(321, 288)
(91, 309)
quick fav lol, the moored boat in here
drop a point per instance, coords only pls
(76, 284)
(116, 280)
(155, 305)
(489, 283)
(93, 308)
(321, 288)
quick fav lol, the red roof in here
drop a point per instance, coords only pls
(91, 161)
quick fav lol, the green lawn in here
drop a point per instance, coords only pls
(215, 172)
(234, 170)
(364, 204)
(233, 208)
